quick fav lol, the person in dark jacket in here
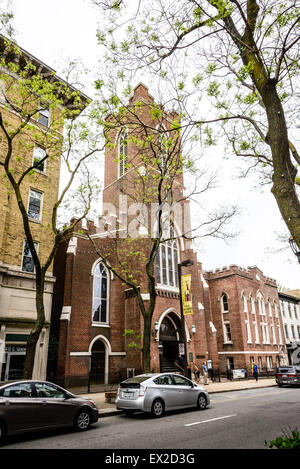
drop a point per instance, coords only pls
(255, 371)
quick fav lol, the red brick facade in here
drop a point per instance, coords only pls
(102, 347)
(259, 343)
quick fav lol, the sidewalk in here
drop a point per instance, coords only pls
(106, 409)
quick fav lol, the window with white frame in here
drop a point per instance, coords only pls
(261, 305)
(100, 294)
(269, 308)
(252, 303)
(44, 116)
(35, 205)
(260, 363)
(27, 259)
(265, 333)
(248, 331)
(224, 303)
(227, 332)
(279, 334)
(39, 154)
(225, 318)
(167, 259)
(286, 331)
(270, 363)
(245, 306)
(123, 152)
(162, 147)
(276, 309)
(254, 320)
(293, 331)
(295, 311)
(273, 334)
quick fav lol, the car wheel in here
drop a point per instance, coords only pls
(82, 420)
(2, 432)
(158, 408)
(201, 403)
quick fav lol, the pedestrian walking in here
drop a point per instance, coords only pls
(255, 371)
(205, 372)
(196, 372)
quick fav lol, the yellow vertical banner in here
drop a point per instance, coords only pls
(186, 293)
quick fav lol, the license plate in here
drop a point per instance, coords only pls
(128, 395)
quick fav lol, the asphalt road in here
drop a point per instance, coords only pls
(234, 420)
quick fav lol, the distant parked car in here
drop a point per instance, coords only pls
(35, 405)
(288, 375)
(160, 392)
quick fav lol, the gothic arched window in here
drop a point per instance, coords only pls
(100, 294)
(122, 152)
(167, 262)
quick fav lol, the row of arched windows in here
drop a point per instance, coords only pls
(268, 329)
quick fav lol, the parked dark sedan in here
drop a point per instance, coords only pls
(289, 375)
(35, 405)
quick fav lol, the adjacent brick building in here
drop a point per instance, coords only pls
(246, 313)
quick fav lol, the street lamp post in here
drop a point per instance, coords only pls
(183, 264)
(294, 247)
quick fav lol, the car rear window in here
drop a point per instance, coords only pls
(289, 369)
(133, 382)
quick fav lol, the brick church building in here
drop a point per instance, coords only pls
(97, 317)
(92, 305)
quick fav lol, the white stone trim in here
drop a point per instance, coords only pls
(66, 313)
(72, 246)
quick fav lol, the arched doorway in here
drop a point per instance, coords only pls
(169, 337)
(97, 375)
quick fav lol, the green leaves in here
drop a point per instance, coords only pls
(289, 440)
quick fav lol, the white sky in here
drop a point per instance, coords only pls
(66, 29)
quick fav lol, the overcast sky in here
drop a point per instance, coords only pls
(66, 29)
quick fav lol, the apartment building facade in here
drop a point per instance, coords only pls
(37, 143)
(290, 314)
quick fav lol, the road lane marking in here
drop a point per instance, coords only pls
(210, 420)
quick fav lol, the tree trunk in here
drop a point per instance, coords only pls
(35, 333)
(283, 189)
(147, 341)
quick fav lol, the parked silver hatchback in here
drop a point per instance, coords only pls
(160, 392)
